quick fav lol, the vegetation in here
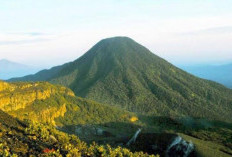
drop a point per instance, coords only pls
(136, 90)
(211, 138)
(40, 101)
(32, 138)
(58, 106)
(118, 71)
(82, 111)
(70, 113)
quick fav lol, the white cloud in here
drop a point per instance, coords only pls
(178, 40)
(23, 38)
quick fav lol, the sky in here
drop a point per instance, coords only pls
(45, 33)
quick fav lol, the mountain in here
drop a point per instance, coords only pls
(9, 69)
(219, 73)
(119, 71)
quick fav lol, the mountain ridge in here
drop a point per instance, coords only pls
(121, 72)
(9, 69)
(48, 103)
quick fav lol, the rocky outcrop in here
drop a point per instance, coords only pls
(39, 101)
(165, 144)
(179, 148)
(14, 96)
(48, 115)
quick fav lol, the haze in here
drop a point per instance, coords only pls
(47, 33)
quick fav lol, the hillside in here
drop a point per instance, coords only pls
(27, 138)
(58, 106)
(41, 108)
(17, 98)
(219, 73)
(9, 69)
(118, 71)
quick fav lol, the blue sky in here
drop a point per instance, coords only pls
(50, 32)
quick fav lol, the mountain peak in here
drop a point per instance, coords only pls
(9, 69)
(4, 60)
(117, 38)
(118, 46)
(119, 71)
(118, 41)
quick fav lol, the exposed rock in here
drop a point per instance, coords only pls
(133, 139)
(99, 131)
(14, 96)
(50, 114)
(165, 144)
(19, 99)
(179, 148)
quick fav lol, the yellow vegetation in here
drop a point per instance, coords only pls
(134, 119)
(27, 100)
(14, 96)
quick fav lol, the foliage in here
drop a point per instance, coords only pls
(121, 73)
(83, 111)
(5, 151)
(211, 138)
(44, 140)
(118, 71)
